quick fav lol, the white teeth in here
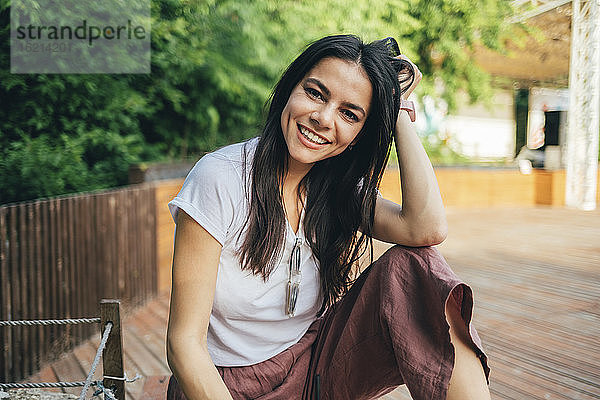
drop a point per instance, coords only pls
(311, 136)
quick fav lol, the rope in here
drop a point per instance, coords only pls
(108, 394)
(50, 322)
(88, 381)
(39, 385)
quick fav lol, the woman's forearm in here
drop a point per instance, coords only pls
(422, 206)
(195, 372)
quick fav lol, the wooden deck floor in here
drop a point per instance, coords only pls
(535, 273)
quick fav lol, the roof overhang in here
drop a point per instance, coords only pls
(539, 57)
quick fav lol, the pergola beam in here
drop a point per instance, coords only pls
(540, 8)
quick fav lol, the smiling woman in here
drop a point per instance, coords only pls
(325, 112)
(270, 232)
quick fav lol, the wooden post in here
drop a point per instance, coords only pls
(112, 356)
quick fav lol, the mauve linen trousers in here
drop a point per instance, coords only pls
(389, 329)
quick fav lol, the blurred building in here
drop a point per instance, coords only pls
(553, 78)
(529, 107)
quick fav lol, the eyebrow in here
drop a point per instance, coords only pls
(328, 93)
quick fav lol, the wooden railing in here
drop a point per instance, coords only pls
(60, 256)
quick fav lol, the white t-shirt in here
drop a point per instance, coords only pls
(248, 323)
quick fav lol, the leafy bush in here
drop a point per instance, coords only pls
(45, 166)
(213, 64)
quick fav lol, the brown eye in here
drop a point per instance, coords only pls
(313, 93)
(350, 114)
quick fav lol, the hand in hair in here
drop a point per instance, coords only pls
(409, 76)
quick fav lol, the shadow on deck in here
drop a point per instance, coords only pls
(535, 273)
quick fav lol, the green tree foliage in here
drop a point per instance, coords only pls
(213, 66)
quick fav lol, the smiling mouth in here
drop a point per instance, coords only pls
(311, 137)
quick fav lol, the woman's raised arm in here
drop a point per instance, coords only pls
(195, 265)
(421, 220)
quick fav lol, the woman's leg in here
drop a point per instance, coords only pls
(468, 381)
(281, 377)
(391, 329)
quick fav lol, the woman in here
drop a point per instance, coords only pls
(268, 232)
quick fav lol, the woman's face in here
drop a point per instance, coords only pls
(325, 111)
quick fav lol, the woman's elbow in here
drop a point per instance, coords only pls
(180, 346)
(433, 235)
(173, 350)
(439, 235)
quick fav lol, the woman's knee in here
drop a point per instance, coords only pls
(424, 252)
(402, 258)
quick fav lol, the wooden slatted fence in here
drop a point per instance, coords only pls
(59, 257)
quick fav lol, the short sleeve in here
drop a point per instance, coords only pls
(210, 194)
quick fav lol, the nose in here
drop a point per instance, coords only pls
(323, 116)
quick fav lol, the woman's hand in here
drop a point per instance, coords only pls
(404, 73)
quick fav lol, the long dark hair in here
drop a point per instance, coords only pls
(340, 191)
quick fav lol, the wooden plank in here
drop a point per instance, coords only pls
(100, 249)
(153, 240)
(76, 289)
(128, 205)
(142, 271)
(541, 346)
(53, 268)
(5, 296)
(31, 302)
(27, 299)
(155, 387)
(112, 249)
(45, 374)
(145, 223)
(163, 303)
(65, 273)
(25, 333)
(157, 315)
(85, 353)
(148, 362)
(145, 270)
(93, 261)
(67, 369)
(91, 296)
(140, 325)
(70, 267)
(80, 267)
(537, 381)
(39, 282)
(61, 272)
(545, 363)
(78, 248)
(45, 272)
(124, 263)
(132, 235)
